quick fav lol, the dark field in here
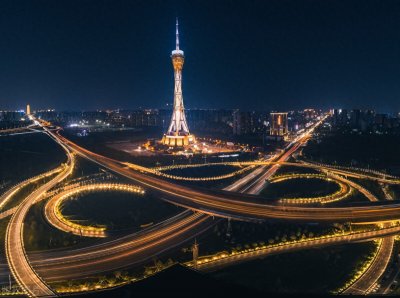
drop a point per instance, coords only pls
(117, 210)
(310, 271)
(376, 151)
(294, 170)
(206, 171)
(24, 156)
(299, 188)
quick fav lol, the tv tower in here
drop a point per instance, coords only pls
(178, 134)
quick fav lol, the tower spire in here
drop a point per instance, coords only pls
(177, 35)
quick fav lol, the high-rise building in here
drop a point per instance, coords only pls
(279, 124)
(178, 134)
(242, 122)
(28, 109)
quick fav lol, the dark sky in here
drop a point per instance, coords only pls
(239, 54)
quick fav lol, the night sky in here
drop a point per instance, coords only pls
(281, 55)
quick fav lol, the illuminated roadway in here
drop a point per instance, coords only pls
(365, 283)
(6, 197)
(54, 216)
(92, 260)
(24, 274)
(214, 203)
(369, 279)
(254, 182)
(121, 252)
(239, 257)
(239, 206)
(225, 201)
(105, 254)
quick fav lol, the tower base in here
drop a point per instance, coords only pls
(177, 141)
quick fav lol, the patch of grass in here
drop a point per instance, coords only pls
(377, 151)
(206, 171)
(295, 170)
(25, 156)
(299, 188)
(308, 271)
(117, 210)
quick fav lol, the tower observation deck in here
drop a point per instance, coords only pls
(178, 134)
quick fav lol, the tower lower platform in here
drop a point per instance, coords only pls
(178, 141)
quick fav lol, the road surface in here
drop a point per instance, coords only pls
(23, 273)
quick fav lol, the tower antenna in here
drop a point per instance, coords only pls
(177, 34)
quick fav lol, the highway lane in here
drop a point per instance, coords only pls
(127, 171)
(357, 186)
(232, 205)
(8, 195)
(22, 271)
(353, 174)
(352, 169)
(242, 182)
(18, 130)
(122, 252)
(208, 264)
(258, 185)
(264, 163)
(110, 165)
(369, 279)
(97, 259)
(254, 182)
(374, 273)
(92, 261)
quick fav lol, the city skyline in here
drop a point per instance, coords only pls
(270, 56)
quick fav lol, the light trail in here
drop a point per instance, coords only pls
(343, 192)
(364, 284)
(238, 206)
(220, 260)
(158, 172)
(53, 213)
(6, 197)
(301, 164)
(369, 278)
(19, 265)
(214, 203)
(122, 252)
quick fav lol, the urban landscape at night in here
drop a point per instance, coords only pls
(193, 148)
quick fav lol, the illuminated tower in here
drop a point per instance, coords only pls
(178, 134)
(28, 109)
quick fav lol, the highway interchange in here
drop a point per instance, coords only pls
(237, 201)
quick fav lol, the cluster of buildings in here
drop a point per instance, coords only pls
(12, 119)
(365, 121)
(224, 121)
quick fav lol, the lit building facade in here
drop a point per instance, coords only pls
(178, 134)
(28, 109)
(279, 124)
